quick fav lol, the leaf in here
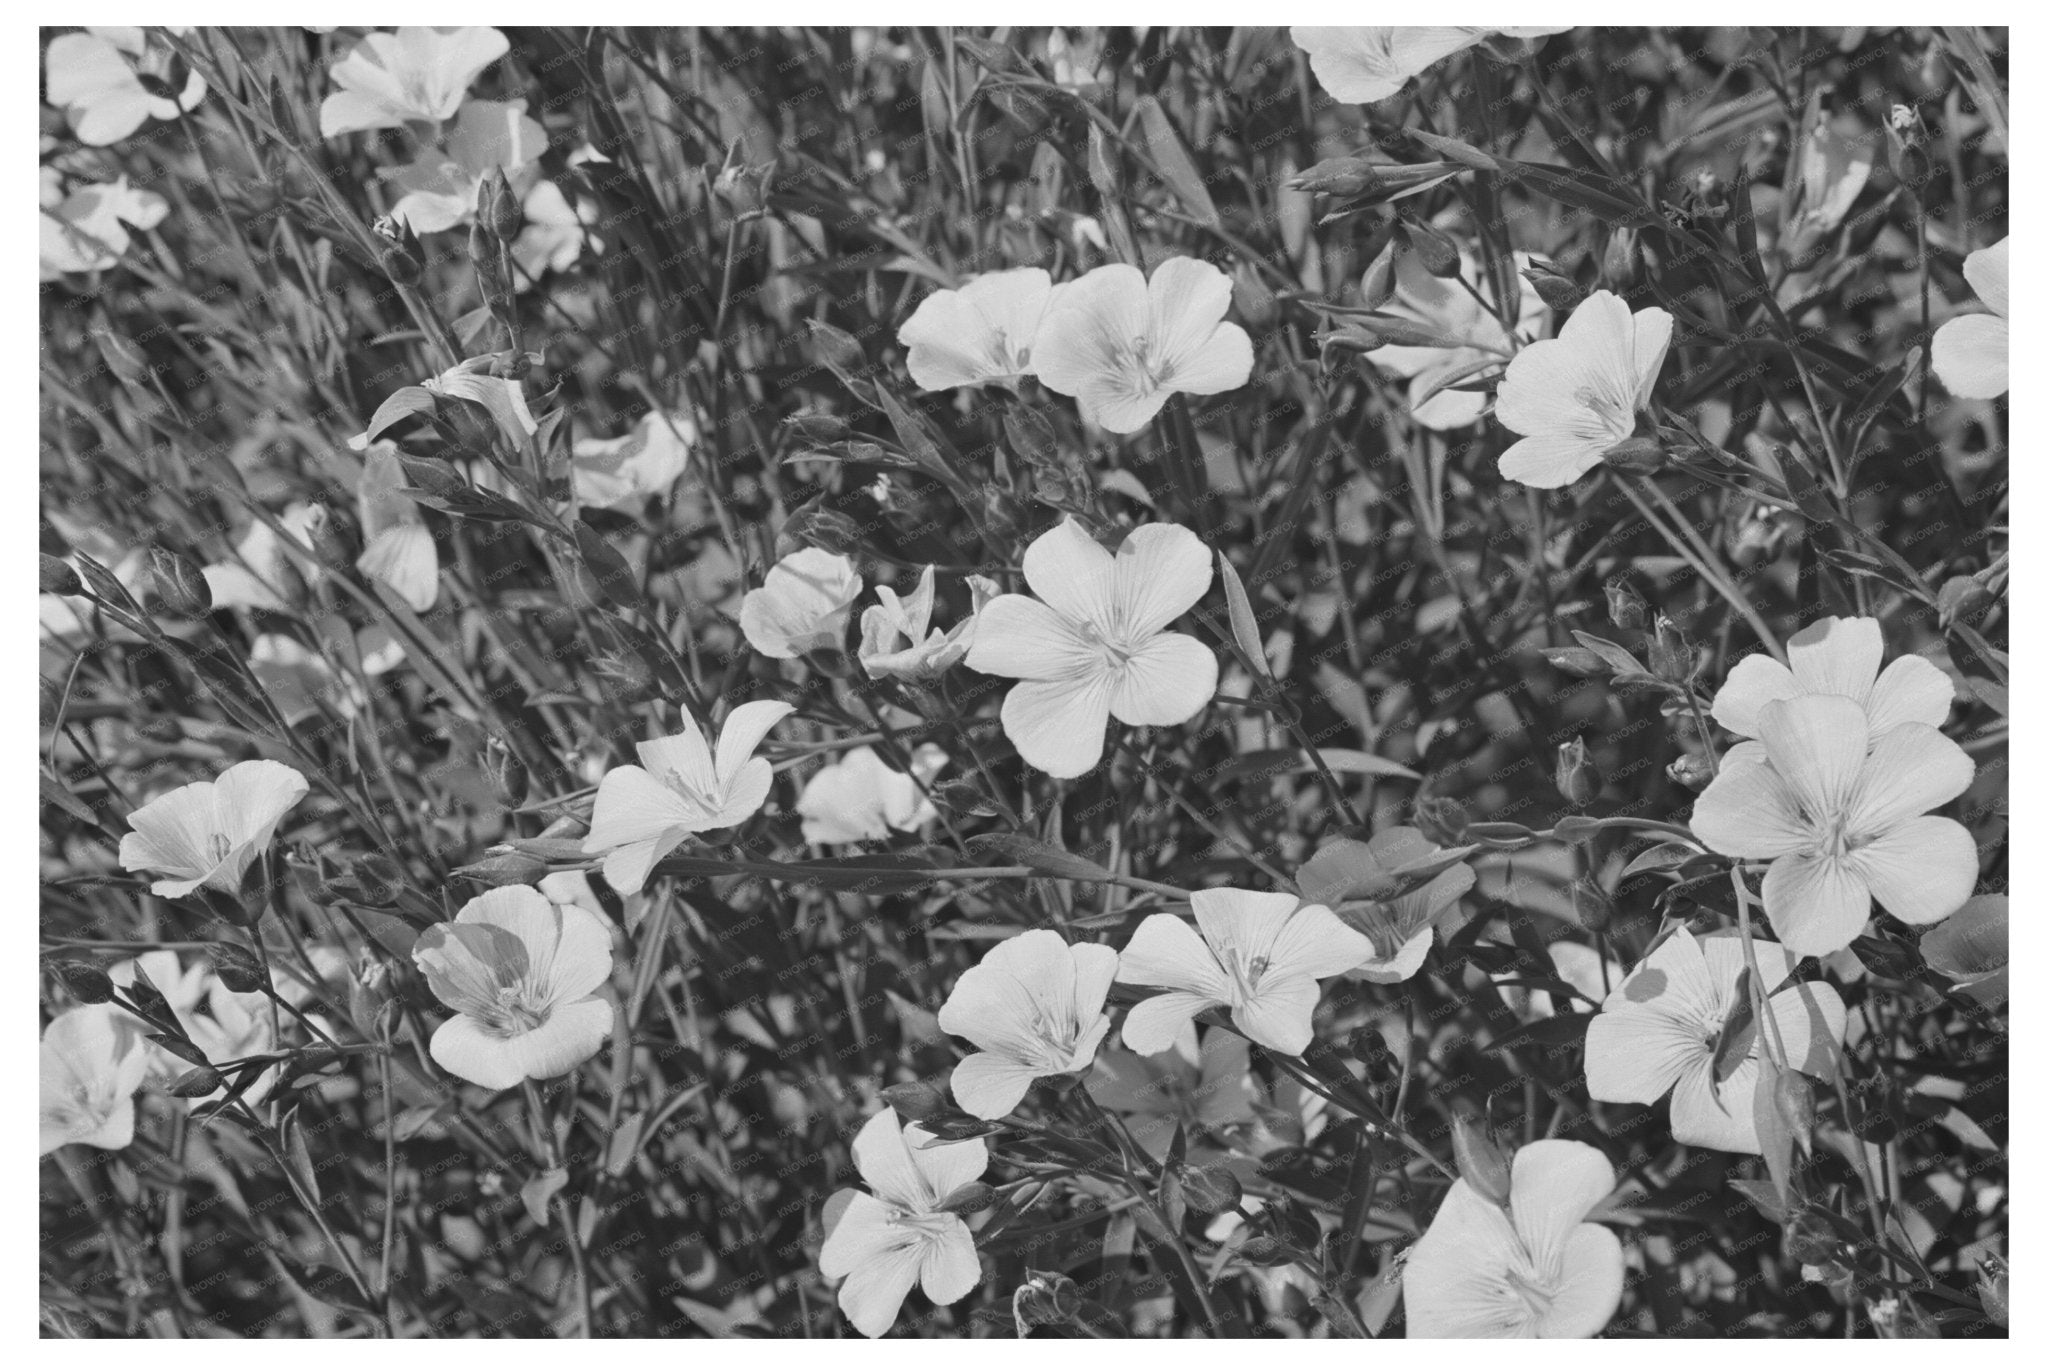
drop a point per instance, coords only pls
(300, 1159)
(56, 794)
(1176, 167)
(1370, 765)
(1041, 856)
(1611, 654)
(1765, 1196)
(410, 401)
(624, 1146)
(538, 1190)
(1738, 1032)
(1564, 1030)
(1244, 623)
(1599, 195)
(614, 575)
(1774, 1134)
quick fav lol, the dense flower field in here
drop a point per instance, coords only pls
(1081, 682)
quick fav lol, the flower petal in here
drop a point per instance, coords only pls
(1749, 812)
(1166, 951)
(743, 732)
(945, 1166)
(1989, 273)
(634, 807)
(1021, 637)
(1722, 1119)
(1913, 768)
(1166, 682)
(1456, 1283)
(1058, 725)
(1970, 355)
(883, 1160)
(1555, 1184)
(1154, 1026)
(1281, 1013)
(252, 797)
(1817, 744)
(462, 1047)
(950, 1268)
(874, 1290)
(1652, 342)
(1087, 332)
(1584, 1302)
(989, 1086)
(1911, 689)
(1922, 871)
(864, 1230)
(1245, 925)
(1159, 572)
(1073, 574)
(1752, 684)
(1316, 944)
(1838, 656)
(1815, 905)
(571, 1036)
(1551, 459)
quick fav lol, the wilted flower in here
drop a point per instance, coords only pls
(1400, 930)
(1454, 310)
(1661, 1029)
(1094, 643)
(1575, 396)
(1534, 1269)
(521, 972)
(1034, 1006)
(1360, 65)
(624, 470)
(87, 229)
(1822, 184)
(1837, 656)
(95, 77)
(642, 813)
(1204, 1088)
(1842, 820)
(207, 833)
(897, 639)
(883, 1243)
(398, 549)
(416, 75)
(980, 333)
(802, 605)
(90, 1067)
(860, 797)
(1969, 352)
(1260, 954)
(440, 188)
(1122, 347)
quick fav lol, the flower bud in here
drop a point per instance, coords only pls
(1810, 1239)
(504, 869)
(969, 1198)
(824, 528)
(180, 586)
(1437, 252)
(184, 1049)
(1578, 781)
(398, 267)
(1625, 606)
(238, 969)
(1377, 288)
(87, 981)
(1623, 263)
(1209, 1189)
(917, 1101)
(1636, 455)
(1580, 663)
(1994, 1288)
(1441, 819)
(1671, 657)
(1962, 597)
(1691, 771)
(1907, 137)
(507, 773)
(820, 428)
(377, 879)
(836, 349)
(1793, 1096)
(1557, 289)
(371, 998)
(506, 216)
(1481, 1163)
(1342, 176)
(1045, 1299)
(1591, 904)
(59, 577)
(200, 1080)
(744, 188)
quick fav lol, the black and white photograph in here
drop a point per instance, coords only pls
(989, 682)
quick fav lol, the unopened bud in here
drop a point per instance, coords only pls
(1810, 1239)
(184, 1049)
(377, 879)
(1907, 136)
(1377, 288)
(507, 773)
(371, 998)
(1962, 597)
(506, 215)
(59, 577)
(504, 869)
(1481, 1163)
(1623, 263)
(1671, 657)
(969, 1198)
(238, 969)
(1591, 904)
(745, 188)
(1437, 252)
(1342, 176)
(1994, 1289)
(1691, 771)
(821, 428)
(200, 1080)
(1636, 455)
(1580, 663)
(1557, 289)
(836, 349)
(398, 267)
(1046, 1298)
(1793, 1097)
(1578, 781)
(87, 981)
(1104, 170)
(1441, 819)
(180, 586)
(824, 528)
(917, 1100)
(1209, 1189)
(1625, 606)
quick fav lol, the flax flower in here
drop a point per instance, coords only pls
(1205, 1088)
(1969, 353)
(682, 788)
(1034, 1006)
(1121, 347)
(440, 188)
(897, 639)
(1576, 396)
(95, 77)
(1399, 929)
(263, 575)
(860, 797)
(1843, 820)
(554, 234)
(398, 549)
(624, 471)
(900, 1235)
(521, 973)
(1839, 657)
(980, 333)
(1533, 1269)
(1359, 65)
(416, 75)
(1658, 1031)
(1259, 954)
(89, 1070)
(1094, 644)
(87, 229)
(1452, 308)
(803, 604)
(208, 833)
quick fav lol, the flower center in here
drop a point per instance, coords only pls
(1146, 372)
(1244, 973)
(514, 1013)
(923, 1227)
(1532, 1288)
(218, 847)
(1114, 652)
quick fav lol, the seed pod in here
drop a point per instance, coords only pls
(1793, 1096)
(238, 968)
(1671, 656)
(180, 587)
(1046, 1298)
(820, 428)
(1962, 597)
(1442, 819)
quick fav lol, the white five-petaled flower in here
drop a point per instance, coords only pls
(897, 639)
(1034, 1006)
(860, 797)
(1969, 352)
(440, 188)
(207, 833)
(1094, 644)
(1534, 1269)
(885, 1242)
(642, 813)
(1121, 347)
(88, 1072)
(1261, 954)
(1574, 397)
(1400, 928)
(398, 549)
(95, 77)
(623, 471)
(1842, 820)
(263, 575)
(1659, 1029)
(980, 333)
(1453, 309)
(87, 229)
(803, 604)
(416, 75)
(1359, 65)
(554, 235)
(521, 973)
(1838, 656)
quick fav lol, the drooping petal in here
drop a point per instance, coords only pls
(1058, 725)
(1816, 743)
(1911, 689)
(989, 1086)
(1021, 637)
(1721, 1118)
(1815, 905)
(628, 867)
(463, 1047)
(634, 807)
(1911, 769)
(1971, 355)
(1551, 459)
(571, 1036)
(1921, 871)
(1749, 812)
(1166, 682)
(1153, 1026)
(743, 732)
